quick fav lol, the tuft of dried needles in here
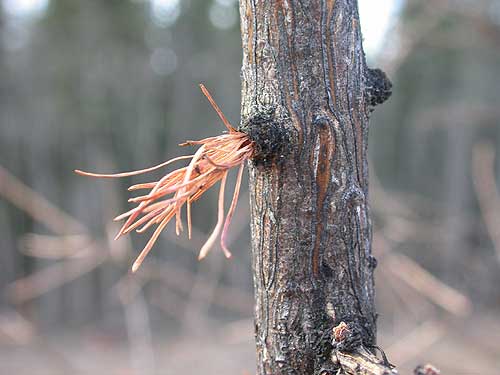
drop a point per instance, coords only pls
(168, 196)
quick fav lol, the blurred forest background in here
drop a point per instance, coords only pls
(111, 85)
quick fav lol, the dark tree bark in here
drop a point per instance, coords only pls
(306, 96)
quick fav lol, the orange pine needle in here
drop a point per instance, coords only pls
(220, 218)
(133, 173)
(231, 212)
(167, 196)
(217, 109)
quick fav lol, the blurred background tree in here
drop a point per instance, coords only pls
(112, 85)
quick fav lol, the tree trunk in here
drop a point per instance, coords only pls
(306, 93)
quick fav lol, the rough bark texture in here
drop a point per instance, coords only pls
(306, 95)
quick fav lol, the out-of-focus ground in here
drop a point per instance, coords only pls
(112, 86)
(228, 349)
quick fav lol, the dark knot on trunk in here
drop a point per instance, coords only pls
(378, 87)
(270, 135)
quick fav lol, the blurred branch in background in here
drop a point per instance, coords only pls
(53, 276)
(428, 285)
(60, 223)
(138, 330)
(483, 172)
(15, 328)
(417, 341)
(37, 206)
(54, 247)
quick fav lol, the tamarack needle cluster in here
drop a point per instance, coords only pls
(168, 196)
